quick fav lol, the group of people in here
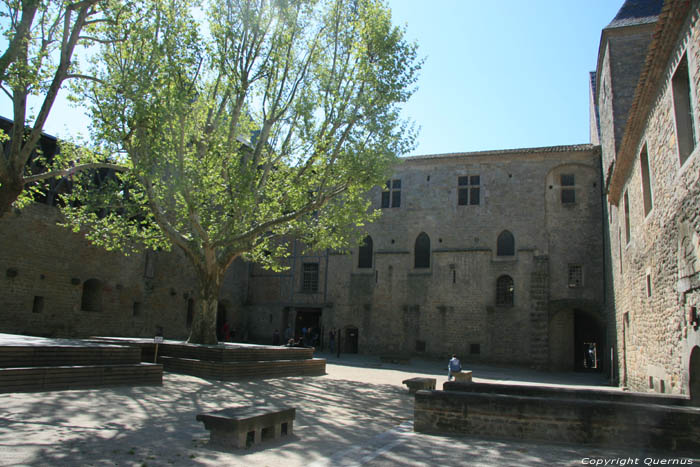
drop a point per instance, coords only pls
(310, 337)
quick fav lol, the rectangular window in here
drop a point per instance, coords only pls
(568, 192)
(391, 196)
(646, 180)
(310, 279)
(648, 285)
(683, 109)
(627, 218)
(468, 190)
(575, 275)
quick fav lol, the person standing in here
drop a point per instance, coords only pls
(454, 366)
(331, 340)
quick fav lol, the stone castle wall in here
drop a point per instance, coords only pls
(655, 273)
(45, 268)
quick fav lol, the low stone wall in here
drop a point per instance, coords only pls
(597, 422)
(602, 394)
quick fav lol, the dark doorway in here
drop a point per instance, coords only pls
(351, 339)
(589, 341)
(309, 318)
(220, 321)
(694, 376)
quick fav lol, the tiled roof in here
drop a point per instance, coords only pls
(546, 149)
(635, 12)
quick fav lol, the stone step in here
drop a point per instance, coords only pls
(51, 378)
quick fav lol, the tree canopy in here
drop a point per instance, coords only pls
(42, 38)
(271, 119)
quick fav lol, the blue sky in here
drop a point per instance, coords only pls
(503, 74)
(497, 75)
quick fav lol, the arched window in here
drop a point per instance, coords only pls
(506, 244)
(504, 291)
(365, 254)
(422, 251)
(92, 295)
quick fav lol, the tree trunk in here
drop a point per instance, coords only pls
(204, 323)
(8, 194)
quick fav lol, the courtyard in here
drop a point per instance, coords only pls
(357, 414)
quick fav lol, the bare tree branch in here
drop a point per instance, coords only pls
(73, 170)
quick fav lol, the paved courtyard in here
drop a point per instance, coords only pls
(357, 414)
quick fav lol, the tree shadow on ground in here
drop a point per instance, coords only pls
(157, 426)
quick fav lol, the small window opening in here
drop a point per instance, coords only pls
(422, 251)
(568, 192)
(505, 245)
(391, 195)
(474, 349)
(420, 346)
(662, 386)
(648, 285)
(137, 308)
(468, 190)
(38, 305)
(575, 275)
(505, 291)
(310, 278)
(365, 253)
(651, 382)
(683, 109)
(92, 295)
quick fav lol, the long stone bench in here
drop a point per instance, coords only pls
(242, 427)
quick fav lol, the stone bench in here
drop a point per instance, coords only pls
(416, 384)
(463, 376)
(241, 427)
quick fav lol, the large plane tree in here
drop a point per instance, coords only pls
(244, 124)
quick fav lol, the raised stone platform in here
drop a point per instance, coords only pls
(241, 427)
(228, 360)
(40, 364)
(547, 414)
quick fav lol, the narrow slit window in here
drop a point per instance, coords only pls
(646, 180)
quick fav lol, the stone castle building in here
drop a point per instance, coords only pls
(561, 258)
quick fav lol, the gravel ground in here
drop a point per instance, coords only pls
(357, 414)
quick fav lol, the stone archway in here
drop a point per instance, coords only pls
(575, 327)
